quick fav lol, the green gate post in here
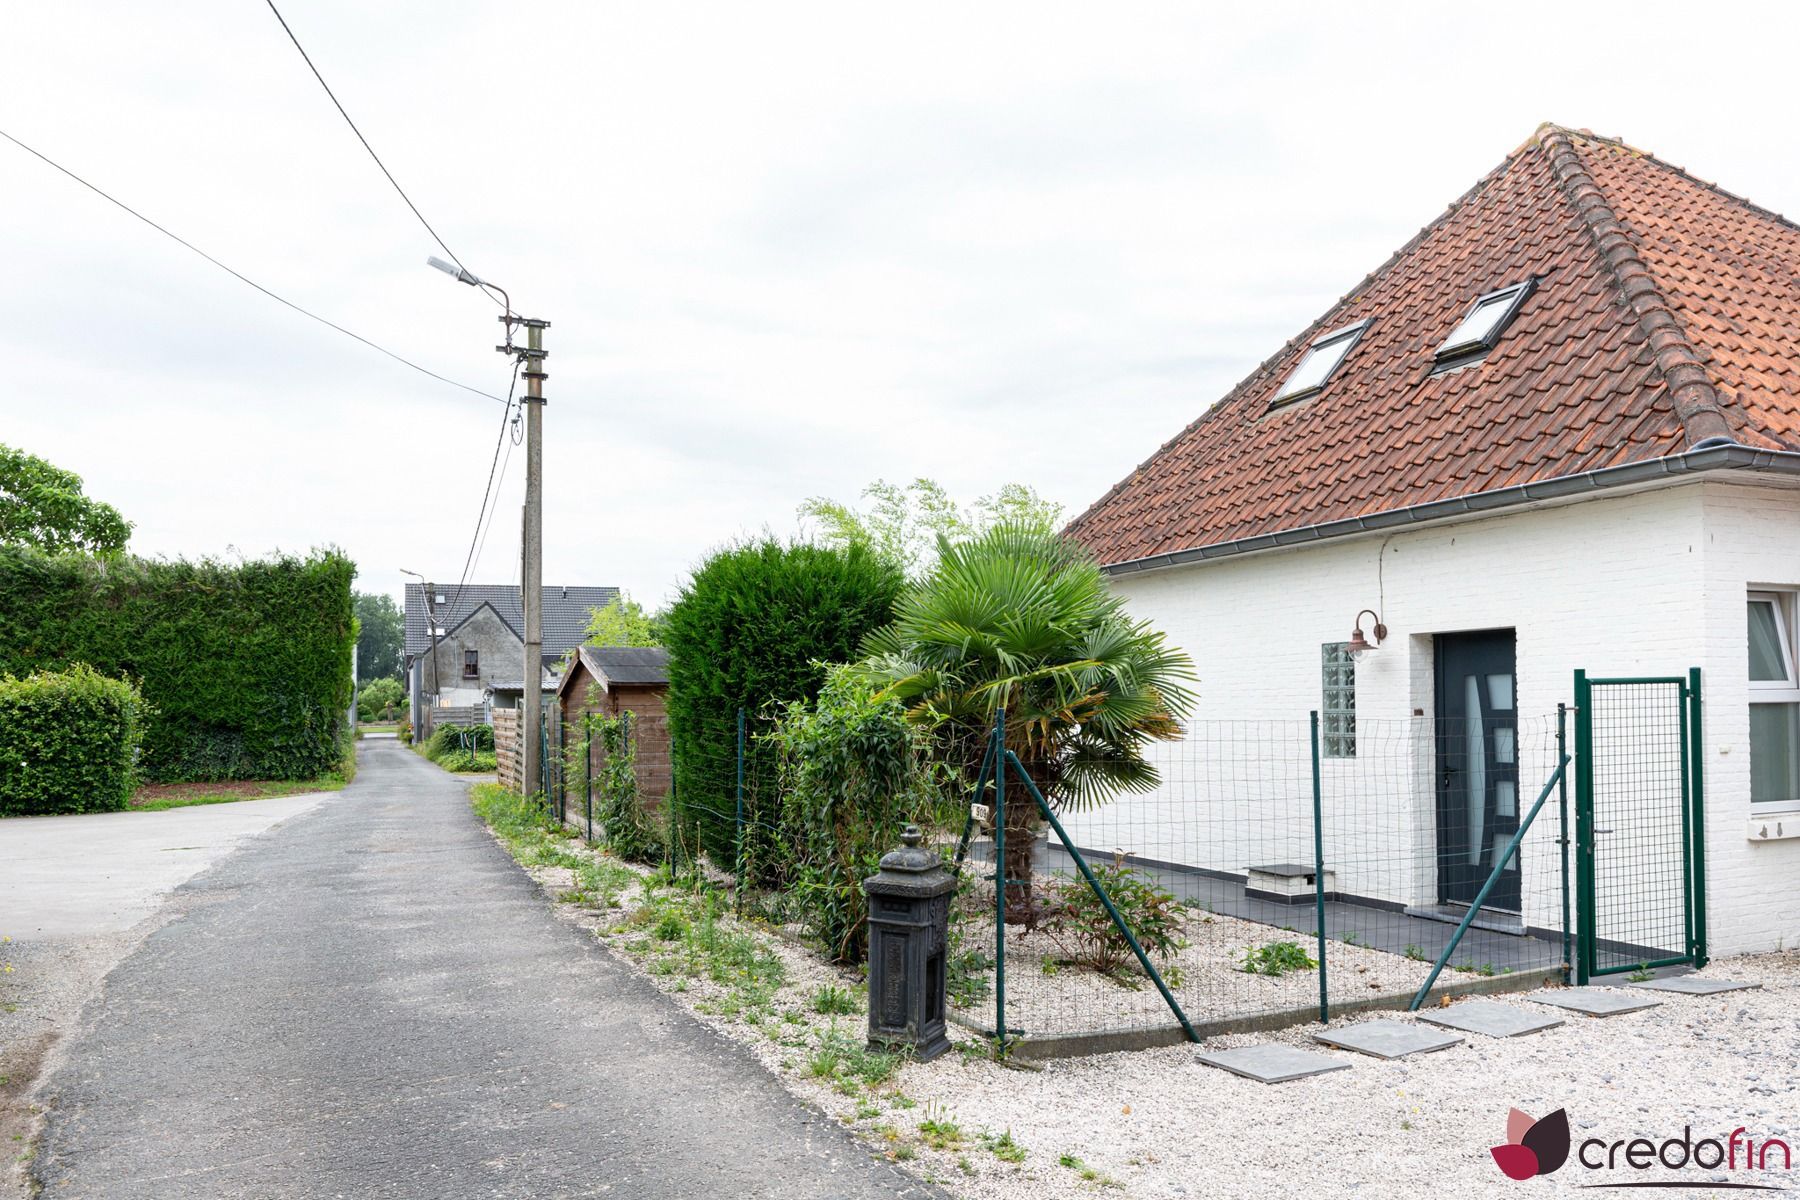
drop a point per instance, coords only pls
(1697, 793)
(1584, 828)
(1562, 836)
(1000, 877)
(1319, 869)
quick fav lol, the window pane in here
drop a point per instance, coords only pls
(1500, 693)
(1774, 752)
(1479, 324)
(1767, 663)
(1506, 800)
(1475, 767)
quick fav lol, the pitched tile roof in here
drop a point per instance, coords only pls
(565, 611)
(1667, 313)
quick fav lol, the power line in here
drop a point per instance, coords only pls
(241, 277)
(488, 492)
(365, 142)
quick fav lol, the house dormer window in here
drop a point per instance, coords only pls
(1318, 364)
(1482, 325)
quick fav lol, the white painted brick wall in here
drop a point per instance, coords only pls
(1649, 583)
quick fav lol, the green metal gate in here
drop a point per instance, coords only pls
(1639, 827)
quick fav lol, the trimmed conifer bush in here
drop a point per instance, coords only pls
(68, 742)
(245, 667)
(753, 629)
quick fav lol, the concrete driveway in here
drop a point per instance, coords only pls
(91, 873)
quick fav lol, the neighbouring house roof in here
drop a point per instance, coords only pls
(565, 612)
(1665, 321)
(627, 665)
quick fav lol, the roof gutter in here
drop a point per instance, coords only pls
(1714, 454)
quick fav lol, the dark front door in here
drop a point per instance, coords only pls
(1477, 761)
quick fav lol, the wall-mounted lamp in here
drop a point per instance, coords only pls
(1360, 645)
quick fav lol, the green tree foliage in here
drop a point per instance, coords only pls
(42, 506)
(246, 667)
(752, 629)
(381, 637)
(380, 700)
(853, 774)
(68, 742)
(1022, 618)
(903, 524)
(624, 622)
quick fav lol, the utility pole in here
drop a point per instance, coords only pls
(531, 596)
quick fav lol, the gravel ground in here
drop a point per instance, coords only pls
(1156, 1123)
(1046, 997)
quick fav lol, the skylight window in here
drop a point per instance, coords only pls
(1483, 325)
(1318, 364)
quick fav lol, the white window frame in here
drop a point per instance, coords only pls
(1335, 345)
(1773, 691)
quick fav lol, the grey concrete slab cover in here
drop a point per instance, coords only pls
(1693, 985)
(1272, 1062)
(1594, 1002)
(87, 873)
(375, 1001)
(1387, 1039)
(1490, 1019)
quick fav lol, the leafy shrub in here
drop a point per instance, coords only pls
(628, 828)
(1277, 958)
(853, 775)
(1081, 927)
(244, 667)
(380, 699)
(68, 742)
(447, 740)
(750, 630)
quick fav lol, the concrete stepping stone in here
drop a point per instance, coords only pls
(1272, 1062)
(1490, 1019)
(1387, 1039)
(1693, 985)
(1594, 1002)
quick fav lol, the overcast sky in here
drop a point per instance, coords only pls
(785, 249)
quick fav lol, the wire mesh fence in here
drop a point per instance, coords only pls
(1223, 863)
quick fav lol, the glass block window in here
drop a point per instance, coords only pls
(1337, 712)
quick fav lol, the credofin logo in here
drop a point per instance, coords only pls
(1533, 1147)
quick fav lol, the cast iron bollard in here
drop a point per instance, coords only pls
(909, 929)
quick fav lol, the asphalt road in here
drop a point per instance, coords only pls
(372, 1001)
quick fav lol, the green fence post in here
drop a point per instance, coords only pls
(1106, 901)
(1584, 828)
(740, 808)
(562, 771)
(1000, 877)
(1318, 799)
(1697, 793)
(587, 770)
(1562, 837)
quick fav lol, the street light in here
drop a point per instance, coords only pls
(531, 591)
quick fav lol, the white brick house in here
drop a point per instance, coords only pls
(1558, 430)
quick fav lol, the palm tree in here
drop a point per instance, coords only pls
(1021, 618)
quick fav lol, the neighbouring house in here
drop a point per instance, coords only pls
(460, 642)
(1558, 430)
(616, 681)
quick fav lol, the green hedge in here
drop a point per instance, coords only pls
(245, 666)
(753, 629)
(68, 742)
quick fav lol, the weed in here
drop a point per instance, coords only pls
(941, 1133)
(1351, 938)
(1276, 958)
(1414, 953)
(904, 1153)
(1642, 975)
(830, 999)
(964, 1165)
(1004, 1147)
